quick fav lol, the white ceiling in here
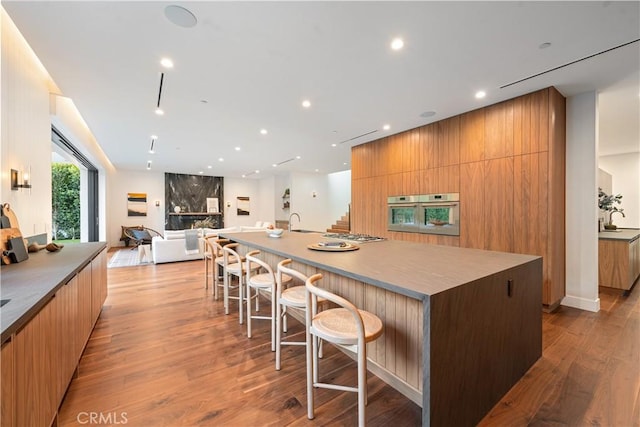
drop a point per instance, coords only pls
(254, 62)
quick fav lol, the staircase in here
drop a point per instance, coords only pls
(342, 225)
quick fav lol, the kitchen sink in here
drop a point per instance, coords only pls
(4, 301)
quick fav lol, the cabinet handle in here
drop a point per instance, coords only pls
(509, 287)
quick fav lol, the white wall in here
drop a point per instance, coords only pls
(30, 104)
(625, 180)
(26, 130)
(123, 182)
(340, 194)
(581, 203)
(310, 198)
(234, 187)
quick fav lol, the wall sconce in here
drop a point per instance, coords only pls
(18, 182)
(157, 203)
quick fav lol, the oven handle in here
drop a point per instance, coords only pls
(437, 205)
(403, 205)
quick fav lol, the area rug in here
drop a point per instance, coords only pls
(125, 258)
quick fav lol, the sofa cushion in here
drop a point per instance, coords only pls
(173, 234)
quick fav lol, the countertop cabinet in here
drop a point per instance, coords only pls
(7, 385)
(619, 259)
(42, 352)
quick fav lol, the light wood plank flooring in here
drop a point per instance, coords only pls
(164, 354)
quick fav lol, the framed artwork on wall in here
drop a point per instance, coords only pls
(136, 204)
(244, 207)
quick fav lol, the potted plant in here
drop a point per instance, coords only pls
(608, 203)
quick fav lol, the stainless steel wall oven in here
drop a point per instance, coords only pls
(426, 213)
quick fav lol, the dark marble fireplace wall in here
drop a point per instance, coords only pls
(190, 192)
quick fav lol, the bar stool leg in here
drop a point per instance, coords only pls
(310, 409)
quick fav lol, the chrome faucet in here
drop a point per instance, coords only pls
(611, 216)
(291, 216)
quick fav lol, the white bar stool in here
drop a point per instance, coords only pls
(262, 282)
(234, 266)
(286, 298)
(346, 326)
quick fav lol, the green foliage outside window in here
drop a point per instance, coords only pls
(65, 191)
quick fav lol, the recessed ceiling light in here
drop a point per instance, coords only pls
(306, 103)
(263, 131)
(544, 45)
(257, 171)
(209, 166)
(200, 172)
(148, 164)
(345, 163)
(237, 148)
(298, 157)
(159, 112)
(428, 114)
(397, 43)
(166, 63)
(180, 16)
(334, 145)
(244, 176)
(220, 159)
(386, 127)
(317, 170)
(480, 94)
(274, 165)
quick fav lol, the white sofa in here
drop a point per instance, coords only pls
(172, 247)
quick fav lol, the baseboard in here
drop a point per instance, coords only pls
(581, 303)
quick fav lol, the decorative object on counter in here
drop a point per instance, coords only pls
(12, 246)
(54, 247)
(35, 247)
(354, 237)
(176, 209)
(274, 232)
(608, 203)
(333, 246)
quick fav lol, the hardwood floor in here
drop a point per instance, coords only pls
(164, 354)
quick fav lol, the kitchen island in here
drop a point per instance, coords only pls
(461, 326)
(619, 258)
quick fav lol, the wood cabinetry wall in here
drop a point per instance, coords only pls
(506, 160)
(39, 360)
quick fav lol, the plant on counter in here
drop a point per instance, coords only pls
(608, 203)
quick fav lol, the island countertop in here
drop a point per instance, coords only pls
(412, 269)
(31, 283)
(625, 234)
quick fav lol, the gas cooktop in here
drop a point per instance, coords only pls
(358, 238)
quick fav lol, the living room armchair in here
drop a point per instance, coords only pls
(139, 235)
